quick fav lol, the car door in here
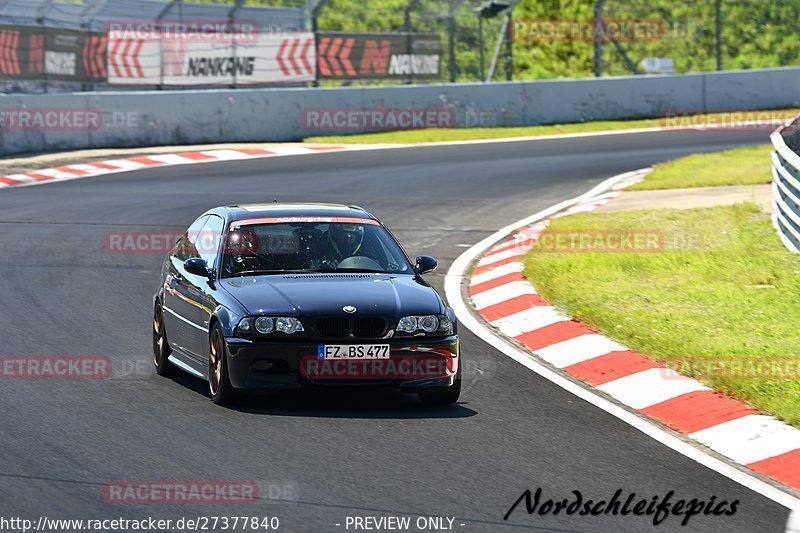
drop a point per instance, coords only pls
(181, 316)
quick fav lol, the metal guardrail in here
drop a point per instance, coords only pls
(786, 186)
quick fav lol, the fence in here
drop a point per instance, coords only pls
(52, 45)
(786, 185)
(122, 44)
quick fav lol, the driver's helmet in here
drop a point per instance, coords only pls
(346, 238)
(242, 241)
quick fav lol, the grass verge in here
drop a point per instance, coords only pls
(471, 134)
(740, 166)
(722, 292)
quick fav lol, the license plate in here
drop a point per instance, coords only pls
(353, 351)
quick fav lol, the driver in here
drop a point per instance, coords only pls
(343, 241)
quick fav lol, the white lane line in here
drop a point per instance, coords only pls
(651, 386)
(502, 293)
(578, 349)
(497, 272)
(750, 439)
(453, 285)
(529, 320)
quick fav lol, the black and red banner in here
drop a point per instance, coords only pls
(40, 53)
(378, 56)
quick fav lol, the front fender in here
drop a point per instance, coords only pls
(227, 319)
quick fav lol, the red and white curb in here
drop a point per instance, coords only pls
(113, 166)
(525, 326)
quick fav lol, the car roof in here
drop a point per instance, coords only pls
(248, 211)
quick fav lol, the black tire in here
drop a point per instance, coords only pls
(443, 397)
(161, 349)
(219, 384)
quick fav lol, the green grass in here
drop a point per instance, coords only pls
(740, 166)
(722, 287)
(469, 134)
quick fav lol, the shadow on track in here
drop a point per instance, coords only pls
(334, 402)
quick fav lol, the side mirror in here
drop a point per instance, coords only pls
(196, 266)
(425, 264)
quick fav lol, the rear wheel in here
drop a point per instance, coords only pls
(222, 392)
(161, 348)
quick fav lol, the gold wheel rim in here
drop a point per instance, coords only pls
(158, 337)
(215, 363)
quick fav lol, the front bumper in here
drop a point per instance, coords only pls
(414, 364)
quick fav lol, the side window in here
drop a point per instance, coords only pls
(187, 248)
(208, 243)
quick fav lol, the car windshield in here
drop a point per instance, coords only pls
(271, 246)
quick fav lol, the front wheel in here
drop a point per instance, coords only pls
(161, 348)
(442, 397)
(222, 392)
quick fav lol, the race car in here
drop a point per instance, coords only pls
(282, 296)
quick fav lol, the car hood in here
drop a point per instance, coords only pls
(326, 294)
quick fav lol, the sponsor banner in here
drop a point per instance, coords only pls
(35, 53)
(379, 56)
(238, 59)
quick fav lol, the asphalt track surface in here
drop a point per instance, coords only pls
(331, 454)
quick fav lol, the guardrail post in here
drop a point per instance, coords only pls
(318, 7)
(598, 40)
(412, 4)
(718, 14)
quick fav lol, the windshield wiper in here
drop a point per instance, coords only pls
(349, 270)
(274, 271)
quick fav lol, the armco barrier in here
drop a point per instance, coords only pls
(786, 186)
(148, 118)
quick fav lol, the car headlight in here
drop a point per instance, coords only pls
(425, 325)
(288, 325)
(266, 325)
(428, 323)
(407, 324)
